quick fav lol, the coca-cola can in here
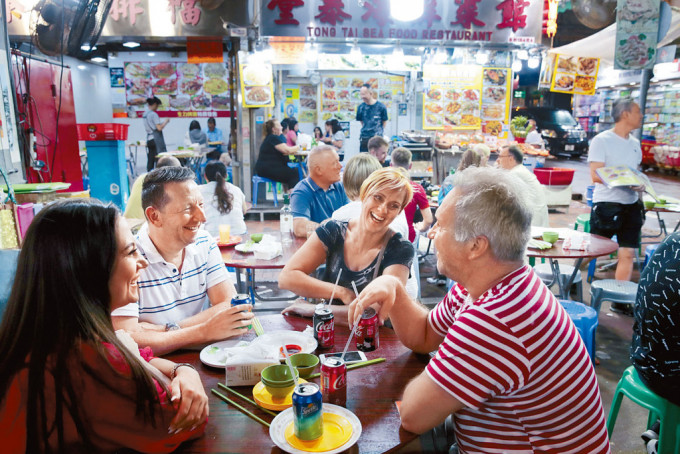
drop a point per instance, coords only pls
(367, 331)
(324, 327)
(334, 381)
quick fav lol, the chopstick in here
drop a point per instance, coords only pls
(257, 326)
(243, 410)
(356, 365)
(226, 388)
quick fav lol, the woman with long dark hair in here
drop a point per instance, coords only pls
(224, 203)
(291, 135)
(273, 160)
(155, 143)
(68, 382)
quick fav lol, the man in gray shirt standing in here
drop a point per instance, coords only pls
(618, 211)
(373, 117)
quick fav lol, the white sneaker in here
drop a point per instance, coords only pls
(651, 446)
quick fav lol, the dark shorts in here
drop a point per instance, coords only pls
(363, 143)
(625, 221)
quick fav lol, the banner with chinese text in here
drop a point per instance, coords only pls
(467, 97)
(485, 21)
(637, 26)
(185, 89)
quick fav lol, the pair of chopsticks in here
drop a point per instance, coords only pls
(356, 365)
(257, 326)
(243, 410)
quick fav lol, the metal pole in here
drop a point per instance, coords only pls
(645, 77)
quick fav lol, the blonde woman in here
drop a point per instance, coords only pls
(363, 248)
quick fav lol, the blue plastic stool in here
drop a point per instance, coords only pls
(585, 319)
(256, 184)
(649, 252)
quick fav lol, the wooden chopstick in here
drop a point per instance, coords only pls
(243, 410)
(226, 388)
(356, 365)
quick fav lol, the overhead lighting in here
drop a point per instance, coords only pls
(81, 67)
(151, 54)
(131, 44)
(522, 54)
(407, 10)
(98, 60)
(312, 53)
(440, 56)
(87, 48)
(398, 52)
(517, 66)
(533, 62)
(482, 57)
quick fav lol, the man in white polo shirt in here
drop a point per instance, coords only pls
(510, 365)
(185, 273)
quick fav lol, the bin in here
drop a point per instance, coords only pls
(108, 171)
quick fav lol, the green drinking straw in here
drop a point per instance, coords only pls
(243, 410)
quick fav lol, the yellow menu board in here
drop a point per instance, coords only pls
(575, 75)
(466, 97)
(256, 85)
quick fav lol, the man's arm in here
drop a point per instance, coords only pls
(427, 219)
(425, 404)
(408, 317)
(302, 225)
(217, 294)
(593, 174)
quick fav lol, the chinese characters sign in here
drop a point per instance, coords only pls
(495, 21)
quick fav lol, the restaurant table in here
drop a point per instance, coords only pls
(662, 223)
(371, 395)
(248, 262)
(598, 247)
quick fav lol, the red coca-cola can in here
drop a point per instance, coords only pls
(367, 331)
(334, 381)
(324, 327)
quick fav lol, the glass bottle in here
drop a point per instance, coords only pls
(286, 220)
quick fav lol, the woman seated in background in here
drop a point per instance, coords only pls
(337, 138)
(363, 247)
(196, 135)
(318, 134)
(273, 160)
(291, 135)
(68, 382)
(223, 203)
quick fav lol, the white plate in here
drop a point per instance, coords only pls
(278, 338)
(278, 428)
(213, 356)
(245, 248)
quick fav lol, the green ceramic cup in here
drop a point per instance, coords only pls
(305, 363)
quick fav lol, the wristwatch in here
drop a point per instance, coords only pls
(171, 326)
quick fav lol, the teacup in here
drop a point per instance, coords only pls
(551, 237)
(305, 363)
(277, 380)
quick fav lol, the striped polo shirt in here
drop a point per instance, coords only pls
(165, 294)
(517, 363)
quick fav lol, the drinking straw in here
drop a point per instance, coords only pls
(355, 366)
(290, 366)
(334, 287)
(226, 388)
(259, 331)
(243, 410)
(354, 330)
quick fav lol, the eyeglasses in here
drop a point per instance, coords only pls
(503, 156)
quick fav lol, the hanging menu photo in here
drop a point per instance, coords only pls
(257, 85)
(576, 75)
(185, 89)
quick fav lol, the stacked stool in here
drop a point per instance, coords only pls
(623, 292)
(585, 319)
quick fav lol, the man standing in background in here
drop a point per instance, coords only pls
(373, 117)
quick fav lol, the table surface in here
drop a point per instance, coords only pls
(235, 259)
(598, 247)
(371, 395)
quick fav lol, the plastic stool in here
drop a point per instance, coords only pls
(583, 220)
(545, 273)
(585, 320)
(612, 290)
(632, 387)
(649, 252)
(256, 184)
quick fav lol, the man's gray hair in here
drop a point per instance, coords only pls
(316, 152)
(492, 203)
(620, 106)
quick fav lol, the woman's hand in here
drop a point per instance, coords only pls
(189, 398)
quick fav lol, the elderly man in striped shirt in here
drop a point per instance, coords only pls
(185, 272)
(510, 365)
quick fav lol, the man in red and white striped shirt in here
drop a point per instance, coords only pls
(510, 364)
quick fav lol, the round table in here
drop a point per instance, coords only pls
(598, 247)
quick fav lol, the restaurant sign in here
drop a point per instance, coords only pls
(485, 21)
